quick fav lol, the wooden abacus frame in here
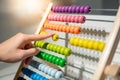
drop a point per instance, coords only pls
(106, 57)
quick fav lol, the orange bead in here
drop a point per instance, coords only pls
(60, 28)
(57, 27)
(72, 29)
(77, 30)
(67, 29)
(50, 26)
(54, 27)
(64, 28)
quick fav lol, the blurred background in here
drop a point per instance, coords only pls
(25, 15)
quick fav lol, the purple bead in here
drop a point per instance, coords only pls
(73, 9)
(87, 9)
(66, 8)
(70, 9)
(77, 9)
(60, 9)
(81, 9)
(63, 9)
(56, 9)
(53, 8)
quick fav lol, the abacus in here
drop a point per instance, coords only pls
(75, 44)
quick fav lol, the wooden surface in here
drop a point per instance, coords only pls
(109, 50)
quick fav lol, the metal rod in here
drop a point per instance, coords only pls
(100, 20)
(104, 10)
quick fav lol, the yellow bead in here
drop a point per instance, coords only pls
(96, 44)
(76, 41)
(81, 40)
(90, 44)
(101, 46)
(43, 32)
(55, 37)
(71, 41)
(85, 43)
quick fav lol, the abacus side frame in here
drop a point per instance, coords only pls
(37, 32)
(109, 50)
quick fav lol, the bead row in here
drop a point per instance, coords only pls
(63, 28)
(53, 47)
(51, 58)
(47, 70)
(33, 75)
(86, 43)
(66, 18)
(71, 9)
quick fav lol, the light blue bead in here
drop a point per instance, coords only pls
(49, 71)
(58, 75)
(53, 72)
(46, 69)
(42, 68)
(39, 67)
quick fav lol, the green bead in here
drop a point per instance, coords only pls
(62, 62)
(47, 56)
(57, 61)
(53, 59)
(50, 58)
(43, 55)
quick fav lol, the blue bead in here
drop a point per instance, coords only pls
(58, 75)
(42, 78)
(53, 72)
(34, 76)
(38, 77)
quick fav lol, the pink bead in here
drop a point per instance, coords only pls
(81, 19)
(72, 19)
(58, 18)
(61, 18)
(65, 18)
(49, 17)
(55, 17)
(68, 18)
(76, 19)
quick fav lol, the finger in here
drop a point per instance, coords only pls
(27, 60)
(29, 45)
(36, 37)
(30, 52)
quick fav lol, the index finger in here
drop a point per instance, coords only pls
(35, 37)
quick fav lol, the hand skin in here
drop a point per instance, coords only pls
(20, 47)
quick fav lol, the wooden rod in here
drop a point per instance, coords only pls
(109, 50)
